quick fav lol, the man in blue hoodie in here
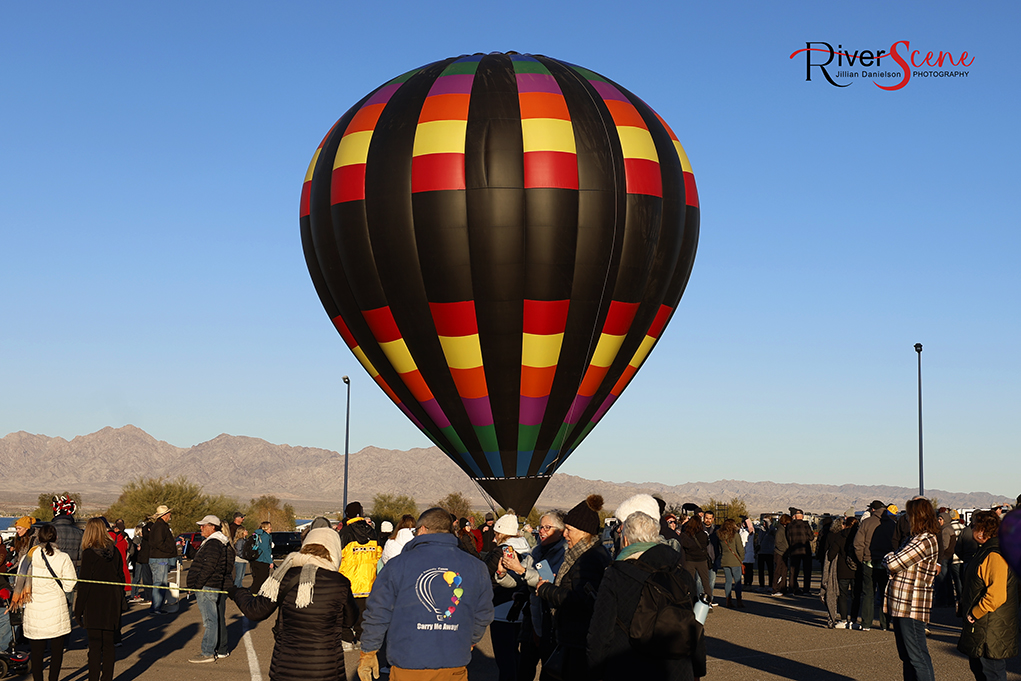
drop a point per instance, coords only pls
(433, 603)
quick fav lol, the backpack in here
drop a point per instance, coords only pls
(250, 548)
(663, 625)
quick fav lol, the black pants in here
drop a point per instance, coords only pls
(765, 565)
(37, 649)
(102, 654)
(260, 573)
(799, 563)
(749, 574)
(355, 633)
(504, 636)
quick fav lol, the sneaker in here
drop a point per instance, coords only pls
(135, 599)
(830, 624)
(220, 655)
(776, 593)
(201, 659)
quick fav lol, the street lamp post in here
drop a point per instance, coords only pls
(347, 433)
(921, 485)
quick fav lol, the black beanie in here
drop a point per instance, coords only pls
(585, 516)
(353, 510)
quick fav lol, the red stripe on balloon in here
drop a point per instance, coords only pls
(345, 332)
(662, 317)
(381, 323)
(544, 317)
(455, 319)
(690, 190)
(643, 177)
(348, 183)
(306, 192)
(557, 169)
(619, 317)
(437, 172)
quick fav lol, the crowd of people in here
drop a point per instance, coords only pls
(572, 598)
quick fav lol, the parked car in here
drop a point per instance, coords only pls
(285, 543)
(191, 542)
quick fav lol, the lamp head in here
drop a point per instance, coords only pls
(348, 380)
(918, 348)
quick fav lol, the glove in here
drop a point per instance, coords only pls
(231, 590)
(368, 666)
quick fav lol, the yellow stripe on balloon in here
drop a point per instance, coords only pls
(312, 165)
(637, 143)
(643, 350)
(353, 149)
(606, 350)
(399, 355)
(685, 163)
(462, 352)
(547, 134)
(540, 350)
(360, 356)
(440, 137)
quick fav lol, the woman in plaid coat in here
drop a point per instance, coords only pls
(909, 592)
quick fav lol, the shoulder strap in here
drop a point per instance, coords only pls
(48, 567)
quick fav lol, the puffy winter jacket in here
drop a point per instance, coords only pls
(209, 568)
(69, 537)
(46, 614)
(308, 645)
(994, 634)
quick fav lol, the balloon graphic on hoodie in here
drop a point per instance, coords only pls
(501, 240)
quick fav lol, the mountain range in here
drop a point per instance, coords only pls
(312, 480)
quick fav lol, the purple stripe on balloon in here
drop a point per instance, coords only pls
(531, 410)
(435, 413)
(537, 82)
(607, 91)
(383, 94)
(480, 413)
(607, 403)
(457, 84)
(407, 412)
(577, 407)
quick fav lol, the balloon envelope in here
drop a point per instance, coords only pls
(500, 240)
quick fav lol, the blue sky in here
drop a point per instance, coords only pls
(152, 158)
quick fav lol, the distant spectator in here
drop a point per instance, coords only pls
(486, 534)
(359, 554)
(780, 581)
(765, 539)
(871, 543)
(731, 553)
(799, 552)
(909, 594)
(69, 535)
(315, 606)
(141, 575)
(209, 573)
(263, 562)
(240, 564)
(236, 523)
(695, 542)
(98, 606)
(991, 592)
(572, 594)
(405, 533)
(611, 655)
(46, 618)
(162, 554)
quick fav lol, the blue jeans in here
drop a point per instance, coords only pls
(6, 633)
(239, 573)
(160, 570)
(712, 584)
(912, 649)
(142, 576)
(212, 607)
(731, 575)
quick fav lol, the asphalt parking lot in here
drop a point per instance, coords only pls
(772, 638)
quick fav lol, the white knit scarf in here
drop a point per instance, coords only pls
(306, 582)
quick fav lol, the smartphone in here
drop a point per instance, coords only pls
(542, 567)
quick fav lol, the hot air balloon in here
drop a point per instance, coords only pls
(500, 240)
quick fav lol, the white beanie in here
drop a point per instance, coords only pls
(639, 502)
(507, 524)
(324, 536)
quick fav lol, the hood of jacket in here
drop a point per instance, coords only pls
(218, 536)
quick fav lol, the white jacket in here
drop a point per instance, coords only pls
(46, 615)
(394, 546)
